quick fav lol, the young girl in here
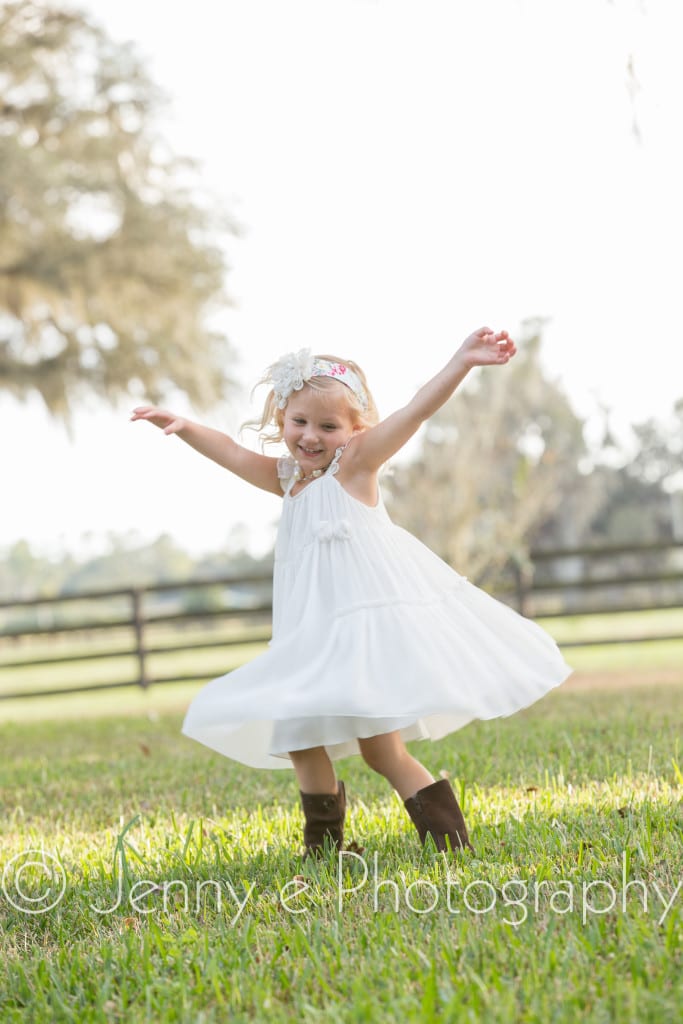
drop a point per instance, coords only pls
(376, 640)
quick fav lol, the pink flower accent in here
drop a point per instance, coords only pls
(291, 372)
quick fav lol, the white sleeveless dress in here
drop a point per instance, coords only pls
(372, 632)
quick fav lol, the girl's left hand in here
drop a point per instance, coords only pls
(488, 348)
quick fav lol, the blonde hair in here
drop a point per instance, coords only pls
(270, 425)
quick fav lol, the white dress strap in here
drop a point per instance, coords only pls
(334, 465)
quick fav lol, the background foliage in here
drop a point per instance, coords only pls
(111, 262)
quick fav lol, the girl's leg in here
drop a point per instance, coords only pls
(387, 755)
(431, 805)
(314, 770)
(323, 801)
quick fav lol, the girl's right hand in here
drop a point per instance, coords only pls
(167, 421)
(487, 348)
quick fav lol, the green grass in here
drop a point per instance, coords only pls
(579, 793)
(653, 622)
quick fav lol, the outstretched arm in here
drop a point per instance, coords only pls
(259, 470)
(483, 348)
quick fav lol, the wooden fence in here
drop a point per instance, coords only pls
(198, 615)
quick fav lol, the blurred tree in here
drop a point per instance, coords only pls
(636, 501)
(497, 462)
(630, 510)
(131, 563)
(109, 266)
(24, 574)
(660, 450)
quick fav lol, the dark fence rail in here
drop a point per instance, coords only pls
(134, 616)
(204, 615)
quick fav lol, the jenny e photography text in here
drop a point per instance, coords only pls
(35, 882)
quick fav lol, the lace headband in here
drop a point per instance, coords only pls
(291, 372)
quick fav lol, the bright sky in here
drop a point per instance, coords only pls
(404, 171)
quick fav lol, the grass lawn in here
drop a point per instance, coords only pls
(169, 886)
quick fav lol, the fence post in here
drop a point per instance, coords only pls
(139, 627)
(520, 587)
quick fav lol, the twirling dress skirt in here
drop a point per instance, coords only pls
(372, 632)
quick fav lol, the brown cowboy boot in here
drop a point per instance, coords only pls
(434, 811)
(324, 814)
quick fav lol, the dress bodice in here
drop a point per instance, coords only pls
(322, 512)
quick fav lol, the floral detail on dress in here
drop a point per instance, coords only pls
(286, 471)
(333, 468)
(327, 531)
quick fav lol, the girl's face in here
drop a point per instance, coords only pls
(316, 424)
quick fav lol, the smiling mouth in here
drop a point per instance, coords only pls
(310, 451)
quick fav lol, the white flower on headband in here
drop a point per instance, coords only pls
(290, 373)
